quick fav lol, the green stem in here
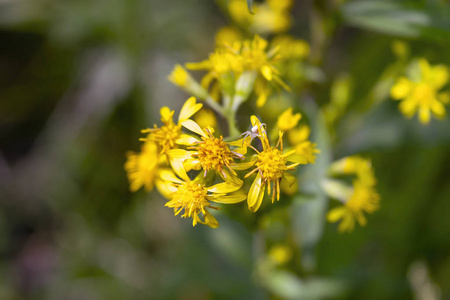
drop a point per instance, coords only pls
(233, 131)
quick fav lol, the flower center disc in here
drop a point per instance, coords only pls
(271, 163)
(191, 196)
(213, 153)
(166, 136)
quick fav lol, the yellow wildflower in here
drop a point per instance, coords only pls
(422, 94)
(271, 167)
(167, 135)
(143, 168)
(287, 120)
(363, 199)
(270, 17)
(209, 153)
(179, 76)
(194, 197)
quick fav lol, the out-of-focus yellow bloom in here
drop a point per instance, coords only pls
(298, 138)
(179, 76)
(280, 254)
(206, 118)
(290, 48)
(422, 94)
(143, 168)
(400, 48)
(167, 135)
(363, 199)
(287, 120)
(271, 166)
(227, 35)
(226, 65)
(194, 197)
(269, 17)
(209, 153)
(357, 200)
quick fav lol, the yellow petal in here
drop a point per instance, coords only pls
(211, 221)
(424, 115)
(179, 154)
(243, 166)
(178, 167)
(401, 89)
(408, 107)
(230, 199)
(297, 158)
(438, 109)
(267, 72)
(185, 139)
(440, 76)
(224, 188)
(189, 108)
(336, 214)
(256, 194)
(166, 189)
(166, 114)
(169, 176)
(289, 178)
(192, 126)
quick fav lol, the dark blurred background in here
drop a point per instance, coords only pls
(79, 79)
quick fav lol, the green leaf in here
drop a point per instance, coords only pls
(397, 18)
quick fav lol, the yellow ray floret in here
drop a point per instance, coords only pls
(194, 198)
(167, 135)
(421, 95)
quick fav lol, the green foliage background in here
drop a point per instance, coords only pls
(79, 79)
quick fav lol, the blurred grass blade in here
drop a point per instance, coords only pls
(250, 5)
(396, 18)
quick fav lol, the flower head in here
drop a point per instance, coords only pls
(271, 165)
(165, 137)
(194, 198)
(299, 139)
(422, 94)
(208, 153)
(143, 168)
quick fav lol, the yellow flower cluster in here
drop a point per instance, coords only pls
(168, 155)
(359, 199)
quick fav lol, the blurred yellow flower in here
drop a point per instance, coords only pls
(271, 167)
(363, 199)
(167, 135)
(194, 197)
(143, 168)
(280, 254)
(269, 17)
(287, 120)
(422, 94)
